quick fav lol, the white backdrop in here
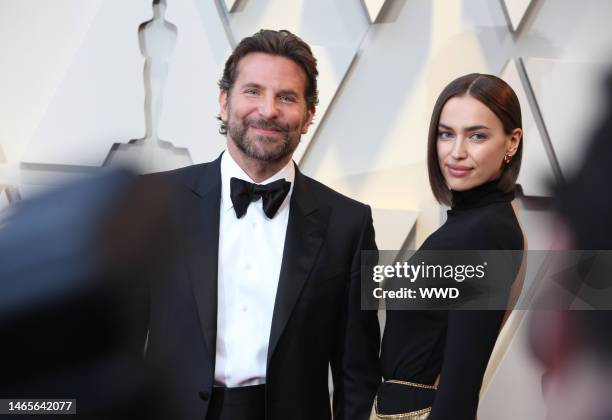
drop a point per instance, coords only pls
(73, 88)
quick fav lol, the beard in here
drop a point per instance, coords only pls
(269, 149)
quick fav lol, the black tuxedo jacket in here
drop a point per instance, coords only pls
(316, 321)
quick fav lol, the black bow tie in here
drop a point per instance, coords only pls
(272, 195)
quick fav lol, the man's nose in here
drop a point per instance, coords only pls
(268, 108)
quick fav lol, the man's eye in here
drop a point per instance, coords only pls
(287, 98)
(251, 91)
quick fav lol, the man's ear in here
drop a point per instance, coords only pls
(223, 105)
(308, 120)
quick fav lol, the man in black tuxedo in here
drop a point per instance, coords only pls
(268, 295)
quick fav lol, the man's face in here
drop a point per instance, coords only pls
(266, 111)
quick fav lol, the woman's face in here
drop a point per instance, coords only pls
(472, 143)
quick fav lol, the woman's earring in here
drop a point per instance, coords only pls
(507, 158)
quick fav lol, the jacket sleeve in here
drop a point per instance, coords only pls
(355, 362)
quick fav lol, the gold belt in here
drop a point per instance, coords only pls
(421, 414)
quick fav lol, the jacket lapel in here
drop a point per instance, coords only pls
(305, 234)
(202, 257)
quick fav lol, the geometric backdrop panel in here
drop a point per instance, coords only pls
(100, 99)
(188, 118)
(38, 40)
(536, 171)
(516, 10)
(333, 62)
(568, 96)
(373, 8)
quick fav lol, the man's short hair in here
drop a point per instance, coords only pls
(282, 43)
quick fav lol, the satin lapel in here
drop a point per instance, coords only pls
(305, 234)
(202, 258)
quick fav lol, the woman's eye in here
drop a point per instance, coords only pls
(251, 91)
(444, 135)
(478, 137)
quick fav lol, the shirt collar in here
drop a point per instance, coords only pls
(230, 169)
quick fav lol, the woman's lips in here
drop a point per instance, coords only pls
(458, 171)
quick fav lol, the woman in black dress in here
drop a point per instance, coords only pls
(437, 359)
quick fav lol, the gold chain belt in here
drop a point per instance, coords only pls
(422, 414)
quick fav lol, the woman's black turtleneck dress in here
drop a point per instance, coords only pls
(419, 345)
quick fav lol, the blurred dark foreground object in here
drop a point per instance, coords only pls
(584, 202)
(75, 267)
(576, 346)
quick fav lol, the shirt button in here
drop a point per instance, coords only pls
(204, 395)
(244, 309)
(254, 225)
(247, 267)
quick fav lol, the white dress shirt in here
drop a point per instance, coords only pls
(250, 256)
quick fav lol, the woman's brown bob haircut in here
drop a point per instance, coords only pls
(496, 95)
(282, 43)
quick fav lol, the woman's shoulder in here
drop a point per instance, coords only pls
(500, 229)
(488, 227)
